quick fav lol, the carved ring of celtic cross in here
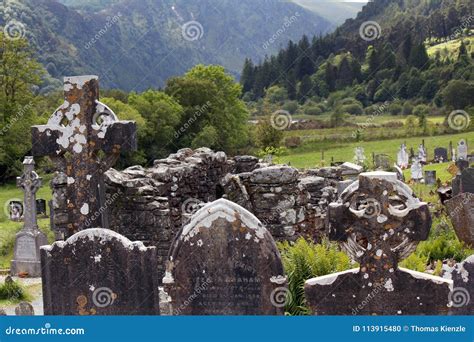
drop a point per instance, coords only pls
(377, 214)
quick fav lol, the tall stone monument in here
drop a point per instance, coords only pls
(26, 254)
(84, 139)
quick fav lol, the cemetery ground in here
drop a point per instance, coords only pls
(304, 259)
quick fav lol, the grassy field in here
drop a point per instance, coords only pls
(8, 228)
(310, 155)
(451, 49)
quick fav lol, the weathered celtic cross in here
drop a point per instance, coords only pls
(26, 256)
(379, 222)
(84, 138)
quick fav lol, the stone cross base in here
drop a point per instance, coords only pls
(405, 292)
(26, 255)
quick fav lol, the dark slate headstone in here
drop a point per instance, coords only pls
(24, 309)
(462, 164)
(224, 262)
(467, 180)
(462, 295)
(99, 272)
(430, 177)
(440, 154)
(461, 213)
(41, 207)
(379, 222)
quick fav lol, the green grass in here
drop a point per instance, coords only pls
(8, 228)
(451, 49)
(309, 155)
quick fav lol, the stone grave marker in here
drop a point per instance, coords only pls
(26, 256)
(379, 222)
(24, 309)
(403, 157)
(461, 213)
(416, 170)
(440, 155)
(382, 161)
(462, 150)
(224, 262)
(84, 139)
(99, 272)
(15, 210)
(359, 156)
(41, 207)
(430, 177)
(462, 295)
(422, 155)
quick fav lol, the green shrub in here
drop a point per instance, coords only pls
(353, 109)
(415, 262)
(12, 291)
(312, 110)
(291, 106)
(303, 260)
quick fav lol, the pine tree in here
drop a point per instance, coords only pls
(247, 79)
(305, 89)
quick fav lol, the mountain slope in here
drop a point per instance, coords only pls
(137, 44)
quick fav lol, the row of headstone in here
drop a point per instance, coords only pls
(16, 209)
(223, 262)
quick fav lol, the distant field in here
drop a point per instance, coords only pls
(451, 49)
(308, 156)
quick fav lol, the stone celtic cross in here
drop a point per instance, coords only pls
(84, 139)
(26, 256)
(379, 222)
(30, 182)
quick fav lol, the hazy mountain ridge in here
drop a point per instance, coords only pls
(138, 44)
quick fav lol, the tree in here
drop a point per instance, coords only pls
(210, 98)
(304, 89)
(19, 74)
(162, 114)
(266, 135)
(458, 94)
(419, 57)
(248, 77)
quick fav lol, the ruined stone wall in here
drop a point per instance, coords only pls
(152, 204)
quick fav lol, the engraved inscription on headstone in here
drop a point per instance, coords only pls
(224, 262)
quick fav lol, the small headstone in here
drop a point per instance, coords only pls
(462, 295)
(382, 161)
(26, 256)
(41, 207)
(430, 177)
(379, 222)
(422, 154)
(440, 155)
(359, 156)
(461, 212)
(224, 262)
(99, 272)
(416, 170)
(24, 309)
(403, 157)
(462, 150)
(15, 209)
